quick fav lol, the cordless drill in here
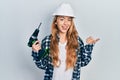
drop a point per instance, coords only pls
(33, 37)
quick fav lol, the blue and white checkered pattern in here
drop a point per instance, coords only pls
(83, 58)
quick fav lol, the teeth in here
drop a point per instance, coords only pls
(64, 27)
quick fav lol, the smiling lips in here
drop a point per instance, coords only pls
(64, 27)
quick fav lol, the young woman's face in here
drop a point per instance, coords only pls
(63, 23)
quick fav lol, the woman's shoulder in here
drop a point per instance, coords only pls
(80, 41)
(46, 38)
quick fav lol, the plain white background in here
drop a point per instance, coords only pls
(97, 18)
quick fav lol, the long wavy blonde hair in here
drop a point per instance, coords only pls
(72, 45)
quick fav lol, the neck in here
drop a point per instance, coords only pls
(63, 38)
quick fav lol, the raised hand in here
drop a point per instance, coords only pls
(91, 40)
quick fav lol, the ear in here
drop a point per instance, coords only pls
(55, 23)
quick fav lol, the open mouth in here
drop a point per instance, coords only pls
(64, 27)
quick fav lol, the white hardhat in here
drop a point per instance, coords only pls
(64, 10)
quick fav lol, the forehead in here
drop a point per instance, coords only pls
(68, 17)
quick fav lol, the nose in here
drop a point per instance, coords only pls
(66, 22)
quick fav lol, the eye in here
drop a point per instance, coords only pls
(69, 19)
(61, 19)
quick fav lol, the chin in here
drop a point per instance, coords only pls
(64, 31)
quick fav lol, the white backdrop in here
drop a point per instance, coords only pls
(97, 18)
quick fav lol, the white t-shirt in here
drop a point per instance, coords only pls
(59, 72)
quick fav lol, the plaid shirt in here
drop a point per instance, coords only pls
(45, 62)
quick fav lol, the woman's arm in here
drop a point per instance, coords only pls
(41, 55)
(86, 50)
(40, 60)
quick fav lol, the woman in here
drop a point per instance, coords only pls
(62, 53)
